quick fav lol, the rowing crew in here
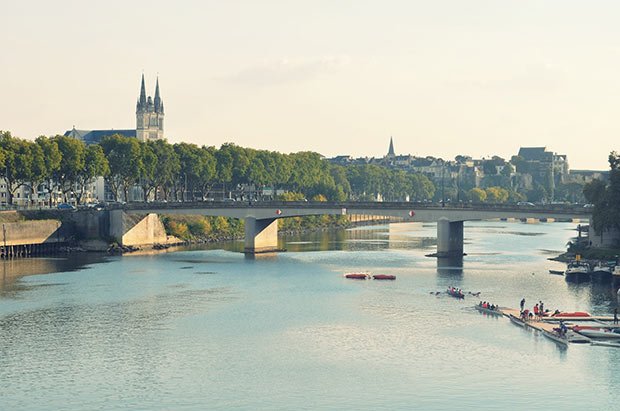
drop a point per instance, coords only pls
(488, 305)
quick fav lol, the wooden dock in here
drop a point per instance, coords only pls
(549, 324)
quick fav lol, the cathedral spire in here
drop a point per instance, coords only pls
(391, 149)
(157, 99)
(142, 101)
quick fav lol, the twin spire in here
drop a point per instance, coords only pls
(146, 104)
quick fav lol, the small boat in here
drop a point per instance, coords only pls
(495, 312)
(384, 277)
(556, 272)
(517, 321)
(555, 336)
(615, 276)
(357, 276)
(596, 332)
(601, 273)
(577, 271)
(455, 293)
(572, 314)
(605, 344)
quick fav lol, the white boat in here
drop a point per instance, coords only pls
(577, 271)
(596, 332)
(601, 273)
(552, 335)
(605, 344)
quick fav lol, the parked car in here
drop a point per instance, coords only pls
(65, 206)
(525, 204)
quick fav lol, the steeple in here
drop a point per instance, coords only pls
(142, 100)
(391, 149)
(157, 99)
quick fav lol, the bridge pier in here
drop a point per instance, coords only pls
(449, 238)
(261, 235)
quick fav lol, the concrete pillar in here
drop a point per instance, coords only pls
(449, 238)
(261, 235)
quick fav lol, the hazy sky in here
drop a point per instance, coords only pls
(443, 77)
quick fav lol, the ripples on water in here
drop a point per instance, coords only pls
(210, 329)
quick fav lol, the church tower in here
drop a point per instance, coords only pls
(391, 153)
(149, 115)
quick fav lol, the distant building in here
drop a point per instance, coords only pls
(547, 169)
(149, 121)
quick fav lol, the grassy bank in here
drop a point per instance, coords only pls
(211, 229)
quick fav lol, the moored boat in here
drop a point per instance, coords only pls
(605, 344)
(596, 332)
(556, 272)
(615, 275)
(384, 277)
(555, 336)
(357, 276)
(571, 314)
(516, 321)
(577, 271)
(601, 273)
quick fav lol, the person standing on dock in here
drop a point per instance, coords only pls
(522, 304)
(541, 309)
(536, 313)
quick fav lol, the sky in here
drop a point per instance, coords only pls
(442, 77)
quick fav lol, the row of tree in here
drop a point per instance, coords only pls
(164, 171)
(183, 171)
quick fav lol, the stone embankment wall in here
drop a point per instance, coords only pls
(23, 238)
(137, 230)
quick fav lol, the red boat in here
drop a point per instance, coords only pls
(357, 276)
(572, 314)
(384, 277)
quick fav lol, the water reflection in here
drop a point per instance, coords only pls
(450, 267)
(12, 270)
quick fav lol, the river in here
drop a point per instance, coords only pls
(208, 328)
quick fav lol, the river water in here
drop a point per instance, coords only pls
(211, 329)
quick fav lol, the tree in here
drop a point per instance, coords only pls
(95, 165)
(23, 163)
(52, 157)
(477, 195)
(168, 166)
(73, 156)
(507, 170)
(124, 158)
(148, 167)
(497, 195)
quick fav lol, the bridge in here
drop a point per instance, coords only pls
(261, 218)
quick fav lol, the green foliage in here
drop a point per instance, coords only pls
(477, 195)
(291, 196)
(606, 198)
(496, 195)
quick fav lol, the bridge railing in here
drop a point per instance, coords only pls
(370, 205)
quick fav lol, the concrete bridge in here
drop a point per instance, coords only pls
(261, 218)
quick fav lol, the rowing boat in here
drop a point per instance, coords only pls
(556, 337)
(488, 311)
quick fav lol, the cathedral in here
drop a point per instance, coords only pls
(149, 121)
